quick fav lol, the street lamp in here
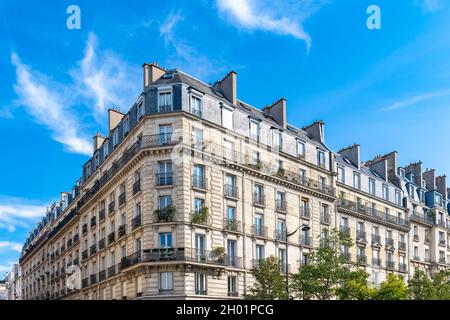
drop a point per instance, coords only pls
(304, 227)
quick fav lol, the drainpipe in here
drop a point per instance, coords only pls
(244, 243)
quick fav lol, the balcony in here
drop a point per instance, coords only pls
(75, 261)
(280, 234)
(305, 240)
(442, 242)
(230, 190)
(201, 216)
(199, 182)
(112, 207)
(136, 222)
(111, 271)
(164, 109)
(201, 292)
(422, 217)
(389, 242)
(76, 238)
(402, 246)
(390, 265)
(325, 218)
(402, 267)
(101, 244)
(281, 205)
(137, 186)
(196, 112)
(232, 225)
(111, 238)
(63, 248)
(84, 229)
(376, 239)
(416, 237)
(361, 235)
(442, 260)
(305, 212)
(69, 243)
(121, 231)
(345, 230)
(233, 261)
(122, 199)
(346, 256)
(93, 279)
(93, 249)
(166, 214)
(259, 231)
(102, 275)
(376, 262)
(85, 282)
(164, 179)
(361, 259)
(259, 199)
(373, 213)
(84, 255)
(130, 260)
(441, 222)
(93, 222)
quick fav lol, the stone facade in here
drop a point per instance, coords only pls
(192, 187)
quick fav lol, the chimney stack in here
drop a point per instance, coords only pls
(430, 179)
(353, 154)
(278, 112)
(98, 141)
(379, 165)
(228, 87)
(316, 131)
(441, 185)
(416, 170)
(114, 118)
(152, 72)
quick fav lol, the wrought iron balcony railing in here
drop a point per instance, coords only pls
(259, 230)
(136, 222)
(232, 225)
(164, 179)
(230, 190)
(136, 186)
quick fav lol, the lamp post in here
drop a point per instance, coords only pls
(304, 228)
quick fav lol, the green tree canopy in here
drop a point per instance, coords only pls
(441, 285)
(269, 282)
(420, 287)
(328, 269)
(394, 288)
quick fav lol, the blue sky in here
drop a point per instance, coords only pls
(385, 89)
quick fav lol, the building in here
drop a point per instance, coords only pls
(370, 209)
(3, 290)
(13, 284)
(192, 187)
(187, 191)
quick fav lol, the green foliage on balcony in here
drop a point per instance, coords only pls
(201, 216)
(166, 214)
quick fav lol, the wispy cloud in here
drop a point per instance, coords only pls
(279, 17)
(100, 80)
(6, 268)
(411, 101)
(10, 246)
(104, 80)
(187, 57)
(429, 6)
(16, 212)
(48, 106)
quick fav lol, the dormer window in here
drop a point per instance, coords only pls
(196, 106)
(115, 138)
(301, 149)
(140, 110)
(277, 140)
(321, 158)
(165, 100)
(356, 180)
(227, 117)
(385, 192)
(398, 197)
(254, 130)
(341, 174)
(126, 125)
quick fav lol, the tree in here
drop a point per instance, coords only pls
(355, 287)
(327, 271)
(269, 282)
(393, 288)
(420, 287)
(441, 285)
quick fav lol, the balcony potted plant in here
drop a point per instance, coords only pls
(232, 224)
(281, 172)
(219, 252)
(201, 216)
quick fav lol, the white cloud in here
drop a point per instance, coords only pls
(10, 246)
(6, 268)
(416, 99)
(48, 106)
(187, 57)
(101, 80)
(429, 6)
(279, 17)
(16, 212)
(105, 80)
